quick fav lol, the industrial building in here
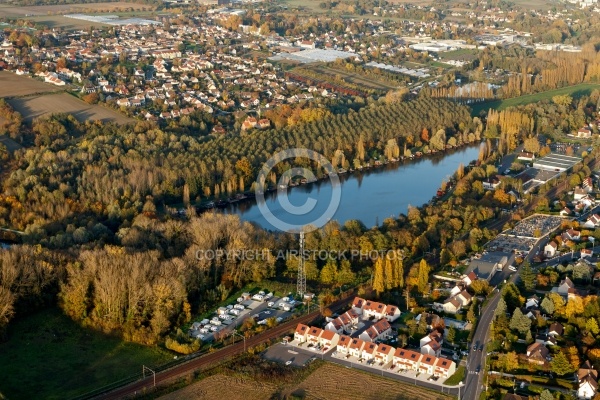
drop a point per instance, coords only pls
(556, 162)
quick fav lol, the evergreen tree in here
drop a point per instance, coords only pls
(388, 273)
(520, 322)
(451, 336)
(560, 365)
(527, 276)
(500, 309)
(547, 305)
(546, 395)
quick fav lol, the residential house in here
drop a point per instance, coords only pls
(373, 309)
(328, 339)
(357, 305)
(384, 353)
(407, 359)
(565, 286)
(300, 333)
(444, 368)
(356, 347)
(369, 350)
(537, 353)
(313, 335)
(593, 221)
(550, 249)
(555, 329)
(432, 348)
(335, 325)
(586, 253)
(571, 234)
(464, 298)
(427, 364)
(588, 382)
(379, 330)
(491, 183)
(587, 184)
(470, 278)
(451, 305)
(343, 344)
(546, 340)
(532, 302)
(392, 313)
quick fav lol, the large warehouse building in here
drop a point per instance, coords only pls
(556, 162)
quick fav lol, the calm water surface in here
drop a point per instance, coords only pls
(369, 196)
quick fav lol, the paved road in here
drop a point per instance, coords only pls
(210, 359)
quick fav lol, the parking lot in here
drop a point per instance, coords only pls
(538, 223)
(507, 244)
(283, 354)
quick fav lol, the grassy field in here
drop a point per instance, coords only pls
(48, 356)
(52, 15)
(575, 91)
(15, 85)
(36, 106)
(331, 381)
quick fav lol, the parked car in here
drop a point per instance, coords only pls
(288, 362)
(270, 304)
(512, 268)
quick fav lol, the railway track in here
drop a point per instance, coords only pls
(200, 363)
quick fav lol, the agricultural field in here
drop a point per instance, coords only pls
(61, 9)
(52, 15)
(212, 388)
(69, 360)
(575, 91)
(36, 106)
(14, 85)
(330, 381)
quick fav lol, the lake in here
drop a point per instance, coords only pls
(370, 195)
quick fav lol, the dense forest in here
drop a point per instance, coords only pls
(83, 174)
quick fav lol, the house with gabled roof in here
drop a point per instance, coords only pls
(427, 364)
(407, 359)
(313, 335)
(550, 249)
(356, 347)
(384, 353)
(392, 313)
(357, 305)
(343, 344)
(369, 350)
(565, 286)
(374, 309)
(444, 368)
(300, 333)
(537, 353)
(328, 339)
(379, 330)
(556, 329)
(593, 221)
(432, 348)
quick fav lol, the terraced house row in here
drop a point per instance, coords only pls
(387, 356)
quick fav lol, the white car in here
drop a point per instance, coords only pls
(288, 362)
(270, 304)
(512, 268)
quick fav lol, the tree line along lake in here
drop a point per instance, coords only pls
(370, 195)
